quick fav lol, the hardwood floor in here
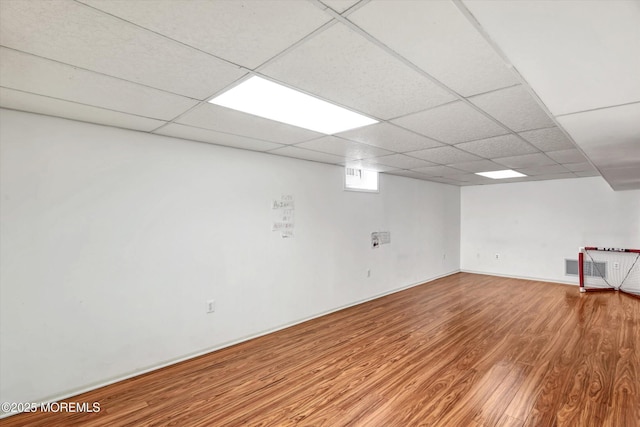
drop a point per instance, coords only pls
(465, 350)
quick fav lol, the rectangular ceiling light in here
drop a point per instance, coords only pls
(273, 101)
(501, 174)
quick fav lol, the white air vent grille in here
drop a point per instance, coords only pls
(592, 269)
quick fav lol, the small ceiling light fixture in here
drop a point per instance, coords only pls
(508, 173)
(273, 101)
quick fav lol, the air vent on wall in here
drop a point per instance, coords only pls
(593, 269)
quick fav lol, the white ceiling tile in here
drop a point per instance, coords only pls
(437, 170)
(571, 155)
(340, 5)
(585, 174)
(401, 161)
(525, 161)
(449, 47)
(29, 73)
(443, 180)
(543, 170)
(462, 177)
(218, 138)
(610, 137)
(411, 174)
(507, 180)
(365, 164)
(579, 167)
(478, 166)
(499, 146)
(342, 66)
(304, 154)
(577, 55)
(622, 178)
(24, 101)
(444, 155)
(550, 139)
(451, 123)
(247, 33)
(342, 147)
(221, 119)
(390, 137)
(79, 35)
(514, 107)
(546, 177)
(631, 185)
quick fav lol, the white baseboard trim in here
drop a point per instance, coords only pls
(510, 276)
(94, 386)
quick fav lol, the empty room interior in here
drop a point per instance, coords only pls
(320, 213)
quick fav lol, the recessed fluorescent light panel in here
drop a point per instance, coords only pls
(501, 174)
(270, 100)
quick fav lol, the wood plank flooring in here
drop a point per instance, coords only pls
(465, 350)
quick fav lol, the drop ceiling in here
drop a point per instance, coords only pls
(549, 89)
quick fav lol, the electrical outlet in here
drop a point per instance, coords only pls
(497, 256)
(369, 273)
(211, 306)
(616, 266)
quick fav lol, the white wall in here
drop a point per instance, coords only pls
(112, 241)
(534, 226)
